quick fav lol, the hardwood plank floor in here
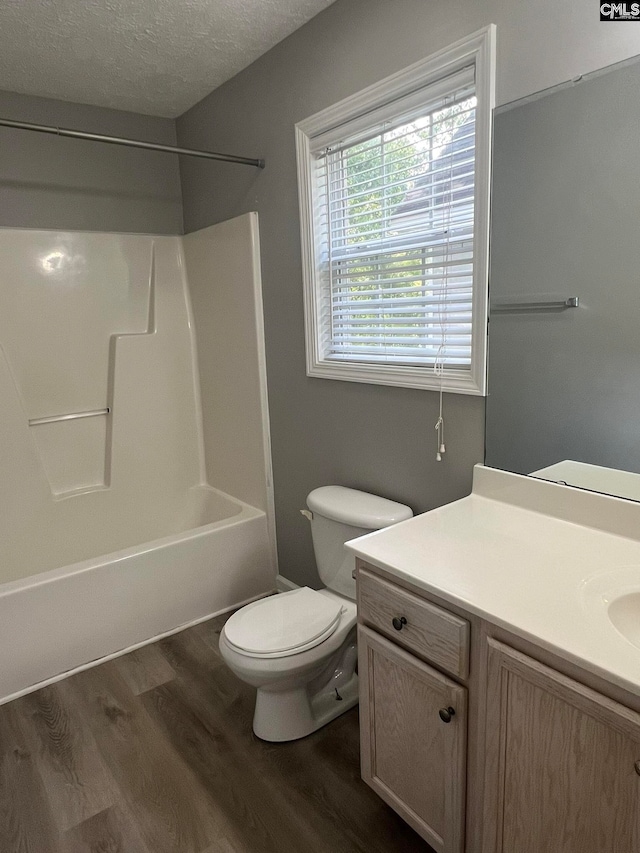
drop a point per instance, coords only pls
(26, 821)
(77, 781)
(153, 752)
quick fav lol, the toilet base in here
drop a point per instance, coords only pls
(292, 714)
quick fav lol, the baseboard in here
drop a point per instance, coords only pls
(285, 585)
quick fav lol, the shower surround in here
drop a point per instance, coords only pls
(135, 485)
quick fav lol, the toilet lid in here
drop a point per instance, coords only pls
(283, 624)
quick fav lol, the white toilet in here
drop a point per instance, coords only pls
(299, 648)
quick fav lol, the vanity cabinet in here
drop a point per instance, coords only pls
(413, 717)
(480, 746)
(563, 762)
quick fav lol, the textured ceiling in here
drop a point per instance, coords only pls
(151, 56)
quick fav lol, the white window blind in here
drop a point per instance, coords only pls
(394, 188)
(394, 220)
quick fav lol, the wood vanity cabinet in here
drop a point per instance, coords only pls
(563, 763)
(413, 718)
(543, 764)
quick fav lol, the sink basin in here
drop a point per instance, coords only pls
(624, 613)
(612, 599)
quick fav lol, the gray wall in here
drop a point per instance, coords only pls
(323, 431)
(566, 176)
(53, 182)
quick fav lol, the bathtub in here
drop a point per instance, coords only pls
(61, 620)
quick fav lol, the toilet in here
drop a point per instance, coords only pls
(298, 648)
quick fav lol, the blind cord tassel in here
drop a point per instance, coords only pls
(440, 432)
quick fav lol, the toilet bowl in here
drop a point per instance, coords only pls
(298, 648)
(302, 678)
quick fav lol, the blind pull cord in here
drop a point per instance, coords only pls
(441, 357)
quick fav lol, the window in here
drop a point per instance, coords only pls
(394, 199)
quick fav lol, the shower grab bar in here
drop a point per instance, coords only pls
(74, 416)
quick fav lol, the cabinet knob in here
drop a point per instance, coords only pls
(637, 767)
(398, 622)
(446, 714)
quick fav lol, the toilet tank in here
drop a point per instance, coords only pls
(340, 514)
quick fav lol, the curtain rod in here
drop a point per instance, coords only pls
(130, 143)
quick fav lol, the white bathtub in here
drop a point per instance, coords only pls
(113, 418)
(66, 618)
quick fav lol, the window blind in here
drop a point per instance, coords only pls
(394, 222)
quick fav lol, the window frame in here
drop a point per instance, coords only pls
(478, 50)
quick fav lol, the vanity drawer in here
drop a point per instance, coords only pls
(424, 628)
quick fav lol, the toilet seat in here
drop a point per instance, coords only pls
(284, 624)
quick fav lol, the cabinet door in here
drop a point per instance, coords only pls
(563, 763)
(412, 758)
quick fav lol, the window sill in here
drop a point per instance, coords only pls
(455, 381)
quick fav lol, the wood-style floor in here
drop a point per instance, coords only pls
(153, 752)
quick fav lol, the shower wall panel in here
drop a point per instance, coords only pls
(223, 270)
(92, 322)
(225, 283)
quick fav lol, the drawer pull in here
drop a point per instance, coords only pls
(446, 714)
(399, 622)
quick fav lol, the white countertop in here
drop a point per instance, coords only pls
(537, 558)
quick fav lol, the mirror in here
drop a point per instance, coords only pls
(564, 382)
